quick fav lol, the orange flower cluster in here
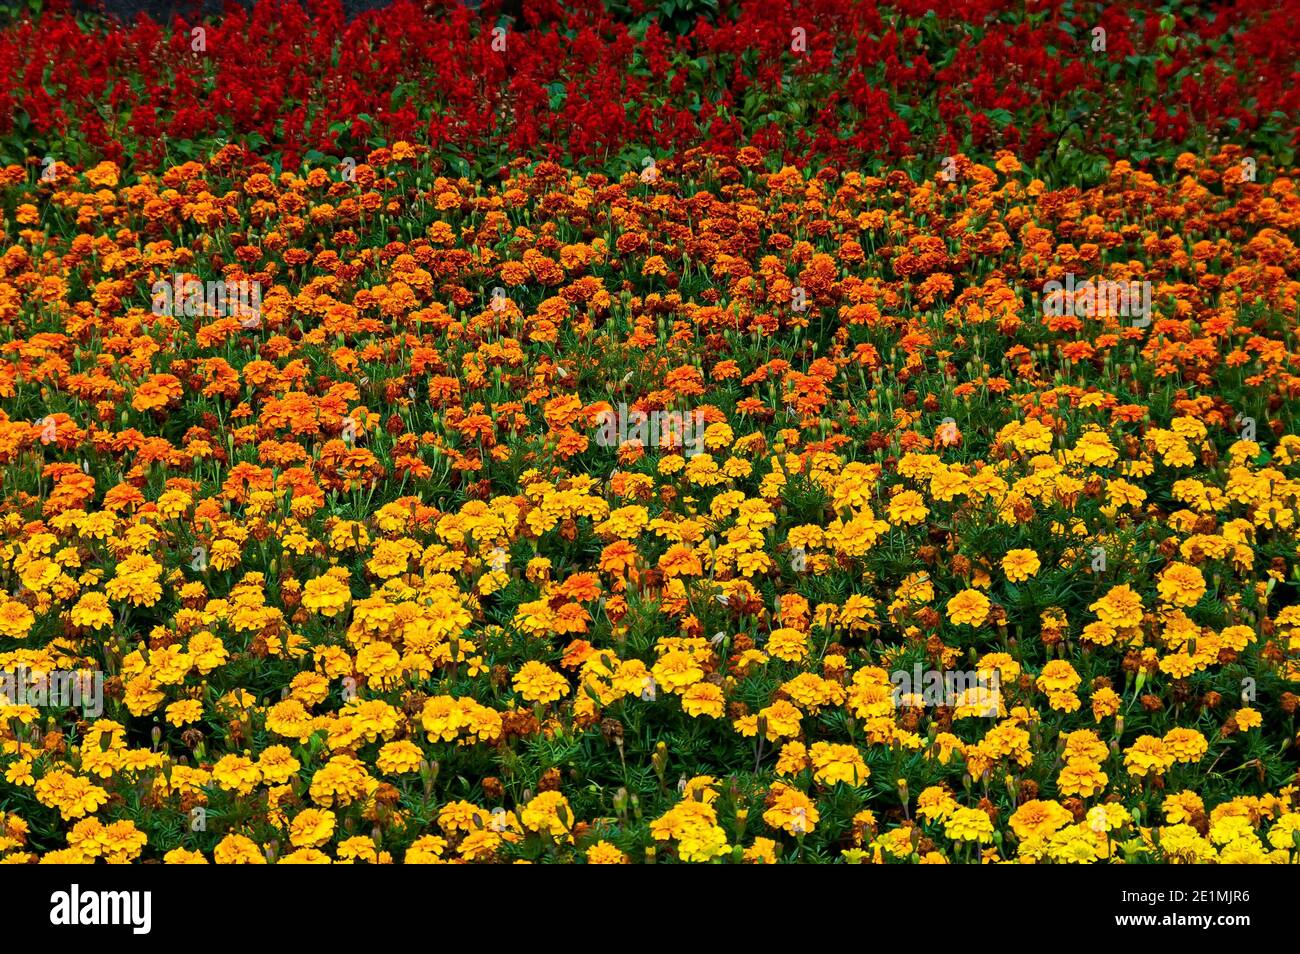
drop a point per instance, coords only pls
(891, 558)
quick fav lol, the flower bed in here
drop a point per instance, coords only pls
(689, 511)
(852, 85)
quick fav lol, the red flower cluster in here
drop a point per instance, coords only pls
(846, 82)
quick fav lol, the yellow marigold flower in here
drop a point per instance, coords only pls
(481, 845)
(1099, 633)
(426, 850)
(481, 722)
(442, 718)
(935, 802)
(1120, 607)
(838, 763)
(782, 721)
(761, 852)
(1147, 756)
(812, 692)
(632, 678)
(969, 824)
(381, 664)
(16, 620)
(399, 758)
(1085, 744)
(1247, 719)
(92, 611)
(327, 595)
(1074, 845)
(1181, 584)
(207, 652)
(1058, 676)
(341, 781)
(603, 853)
(676, 671)
(682, 817)
(1226, 829)
(1185, 745)
(277, 764)
(1182, 806)
(185, 712)
(72, 795)
(1020, 565)
(970, 607)
(896, 842)
(238, 850)
(537, 682)
(135, 581)
(1179, 665)
(791, 811)
(908, 507)
(461, 816)
(1063, 701)
(143, 695)
(1237, 638)
(1081, 777)
(311, 828)
(1039, 819)
(1283, 833)
(1105, 703)
(787, 644)
(702, 843)
(236, 773)
(360, 848)
(793, 759)
(703, 699)
(549, 812)
(1184, 843)
(85, 836)
(184, 856)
